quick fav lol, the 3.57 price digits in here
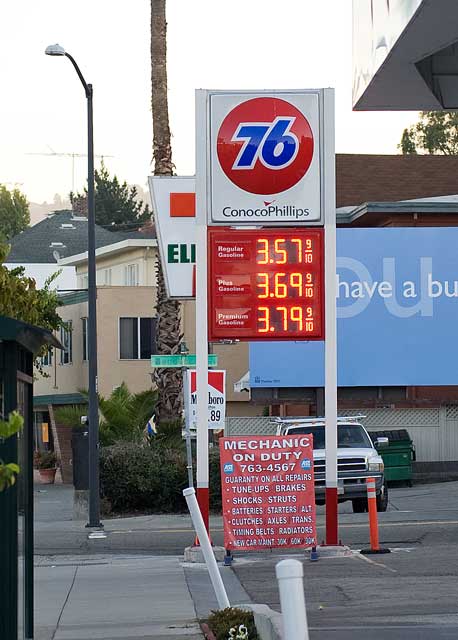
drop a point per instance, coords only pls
(285, 285)
(282, 251)
(285, 319)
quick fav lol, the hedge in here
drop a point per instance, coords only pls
(136, 477)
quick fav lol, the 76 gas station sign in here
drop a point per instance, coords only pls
(264, 165)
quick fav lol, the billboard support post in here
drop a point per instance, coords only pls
(330, 392)
(202, 471)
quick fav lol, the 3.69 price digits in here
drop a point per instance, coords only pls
(285, 285)
(285, 319)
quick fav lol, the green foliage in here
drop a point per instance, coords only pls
(435, 132)
(22, 300)
(137, 477)
(151, 478)
(9, 471)
(221, 623)
(14, 212)
(71, 415)
(125, 415)
(116, 204)
(45, 460)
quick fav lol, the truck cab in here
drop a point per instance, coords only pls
(357, 459)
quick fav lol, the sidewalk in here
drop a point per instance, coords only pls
(113, 598)
(115, 588)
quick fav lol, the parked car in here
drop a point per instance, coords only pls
(357, 459)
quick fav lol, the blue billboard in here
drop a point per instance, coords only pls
(397, 315)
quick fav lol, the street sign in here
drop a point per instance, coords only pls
(264, 160)
(174, 203)
(266, 284)
(216, 400)
(181, 360)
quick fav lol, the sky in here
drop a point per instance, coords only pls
(212, 44)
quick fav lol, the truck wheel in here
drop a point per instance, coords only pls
(359, 505)
(382, 498)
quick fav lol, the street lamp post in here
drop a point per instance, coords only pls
(94, 489)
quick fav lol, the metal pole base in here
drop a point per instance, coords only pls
(332, 507)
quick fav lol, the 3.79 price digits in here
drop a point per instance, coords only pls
(285, 319)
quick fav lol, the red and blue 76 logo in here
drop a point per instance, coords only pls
(265, 145)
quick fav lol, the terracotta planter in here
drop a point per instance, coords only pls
(47, 476)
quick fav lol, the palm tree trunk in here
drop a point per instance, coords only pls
(169, 381)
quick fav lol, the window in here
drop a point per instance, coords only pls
(83, 281)
(107, 277)
(46, 360)
(85, 345)
(131, 275)
(137, 338)
(66, 355)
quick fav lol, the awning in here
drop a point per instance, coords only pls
(243, 384)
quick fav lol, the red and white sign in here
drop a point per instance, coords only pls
(263, 166)
(216, 399)
(174, 205)
(268, 492)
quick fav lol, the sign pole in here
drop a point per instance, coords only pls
(330, 391)
(202, 471)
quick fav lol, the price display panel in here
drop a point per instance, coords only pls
(266, 284)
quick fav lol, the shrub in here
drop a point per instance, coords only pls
(136, 477)
(221, 621)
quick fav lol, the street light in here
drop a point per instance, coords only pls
(94, 489)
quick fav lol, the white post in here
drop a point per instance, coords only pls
(330, 391)
(290, 575)
(202, 473)
(210, 560)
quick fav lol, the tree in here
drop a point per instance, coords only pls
(9, 471)
(435, 132)
(14, 212)
(124, 415)
(116, 205)
(20, 298)
(169, 381)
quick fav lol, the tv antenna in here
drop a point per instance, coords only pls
(71, 155)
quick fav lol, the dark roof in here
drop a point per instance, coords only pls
(34, 245)
(29, 336)
(389, 178)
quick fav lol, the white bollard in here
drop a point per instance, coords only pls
(290, 575)
(210, 560)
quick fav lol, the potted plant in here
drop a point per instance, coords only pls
(46, 463)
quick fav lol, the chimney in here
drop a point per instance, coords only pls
(79, 206)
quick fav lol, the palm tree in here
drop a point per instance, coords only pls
(168, 381)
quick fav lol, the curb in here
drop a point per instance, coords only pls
(208, 633)
(267, 621)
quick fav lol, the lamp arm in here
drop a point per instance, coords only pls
(87, 87)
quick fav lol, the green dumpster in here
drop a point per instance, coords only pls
(397, 456)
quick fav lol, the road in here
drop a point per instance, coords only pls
(410, 594)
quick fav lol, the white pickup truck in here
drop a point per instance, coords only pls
(357, 459)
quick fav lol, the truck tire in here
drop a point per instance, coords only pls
(359, 505)
(382, 498)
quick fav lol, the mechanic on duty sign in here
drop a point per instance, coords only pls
(268, 492)
(263, 158)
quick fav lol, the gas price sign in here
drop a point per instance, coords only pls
(266, 284)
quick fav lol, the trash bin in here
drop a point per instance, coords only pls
(80, 457)
(398, 455)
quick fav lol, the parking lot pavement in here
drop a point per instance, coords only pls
(402, 594)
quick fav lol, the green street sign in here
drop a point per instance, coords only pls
(181, 360)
